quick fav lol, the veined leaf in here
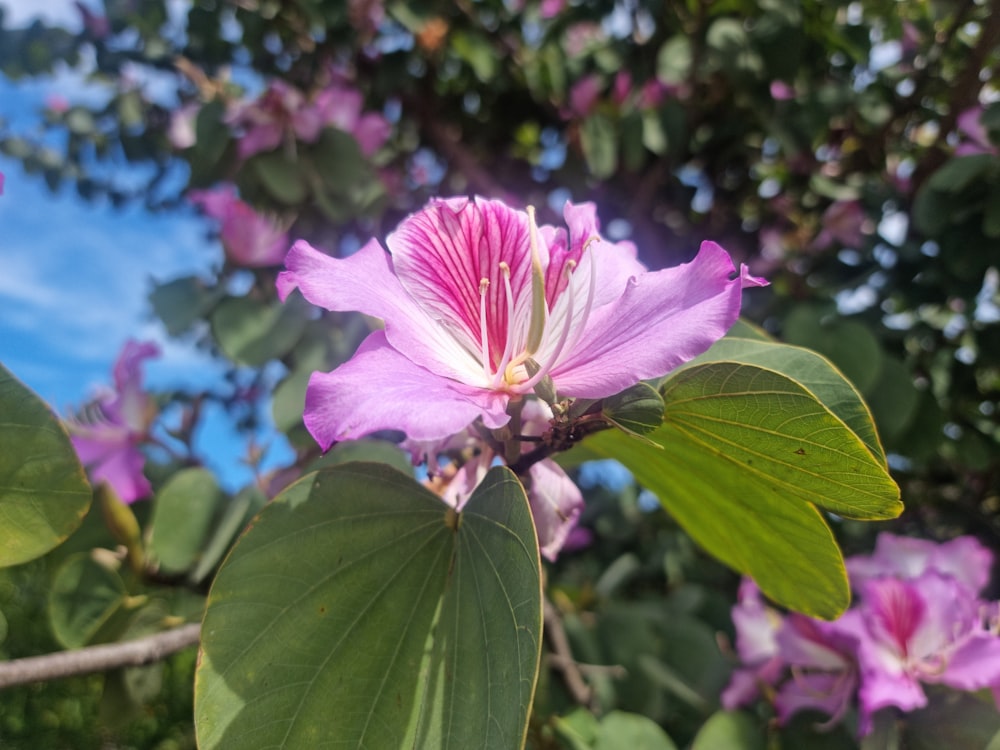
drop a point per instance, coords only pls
(743, 454)
(44, 493)
(810, 370)
(359, 610)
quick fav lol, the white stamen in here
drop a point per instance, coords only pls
(484, 341)
(508, 350)
(547, 366)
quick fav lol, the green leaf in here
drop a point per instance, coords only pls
(253, 332)
(786, 546)
(673, 62)
(372, 451)
(281, 177)
(764, 424)
(181, 302)
(359, 609)
(238, 513)
(182, 517)
(44, 493)
(599, 139)
(743, 454)
(85, 594)
(626, 731)
(810, 370)
(729, 730)
(959, 172)
(849, 344)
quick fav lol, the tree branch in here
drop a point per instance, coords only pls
(137, 653)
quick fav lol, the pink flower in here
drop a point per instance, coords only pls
(584, 94)
(928, 629)
(844, 222)
(823, 668)
(781, 91)
(757, 627)
(975, 139)
(283, 111)
(963, 558)
(95, 25)
(106, 437)
(341, 107)
(249, 239)
(551, 8)
(480, 305)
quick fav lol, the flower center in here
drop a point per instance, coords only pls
(534, 342)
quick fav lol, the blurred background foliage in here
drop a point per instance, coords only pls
(845, 150)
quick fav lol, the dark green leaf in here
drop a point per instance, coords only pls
(85, 593)
(253, 332)
(637, 410)
(599, 139)
(377, 617)
(182, 516)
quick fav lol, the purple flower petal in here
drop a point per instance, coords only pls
(663, 319)
(556, 504)
(380, 389)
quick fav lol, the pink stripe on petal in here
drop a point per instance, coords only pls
(443, 252)
(366, 282)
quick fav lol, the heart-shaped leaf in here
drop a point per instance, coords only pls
(359, 610)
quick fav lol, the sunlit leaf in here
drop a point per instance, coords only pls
(44, 494)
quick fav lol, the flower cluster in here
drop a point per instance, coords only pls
(108, 432)
(249, 239)
(284, 111)
(482, 310)
(918, 619)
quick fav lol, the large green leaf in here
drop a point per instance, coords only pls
(766, 425)
(43, 491)
(743, 455)
(359, 611)
(810, 370)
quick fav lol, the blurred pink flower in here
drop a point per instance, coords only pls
(963, 558)
(56, 103)
(844, 222)
(283, 111)
(95, 25)
(781, 91)
(249, 239)
(341, 107)
(974, 138)
(109, 430)
(583, 95)
(928, 629)
(757, 627)
(551, 8)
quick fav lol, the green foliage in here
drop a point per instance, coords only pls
(746, 454)
(457, 595)
(43, 490)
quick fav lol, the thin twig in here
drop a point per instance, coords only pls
(562, 657)
(137, 653)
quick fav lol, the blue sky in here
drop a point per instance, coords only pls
(74, 277)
